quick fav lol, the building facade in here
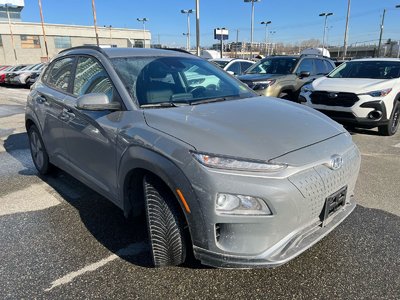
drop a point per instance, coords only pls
(26, 45)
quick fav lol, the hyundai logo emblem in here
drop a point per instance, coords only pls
(336, 162)
(332, 95)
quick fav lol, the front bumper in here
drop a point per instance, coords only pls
(296, 198)
(358, 114)
(287, 249)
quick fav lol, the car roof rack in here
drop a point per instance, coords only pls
(314, 55)
(92, 47)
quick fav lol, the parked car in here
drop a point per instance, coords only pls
(234, 66)
(4, 71)
(34, 74)
(283, 76)
(243, 180)
(7, 75)
(20, 77)
(362, 93)
(10, 76)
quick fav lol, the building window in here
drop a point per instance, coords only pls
(62, 42)
(30, 41)
(138, 43)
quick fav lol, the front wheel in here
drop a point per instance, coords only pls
(393, 125)
(165, 226)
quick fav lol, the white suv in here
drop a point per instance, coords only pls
(361, 93)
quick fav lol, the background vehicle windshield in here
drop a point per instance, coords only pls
(367, 69)
(153, 80)
(278, 65)
(220, 63)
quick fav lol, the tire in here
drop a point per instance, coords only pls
(286, 95)
(165, 226)
(393, 125)
(38, 151)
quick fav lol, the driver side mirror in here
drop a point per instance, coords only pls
(231, 73)
(96, 102)
(304, 74)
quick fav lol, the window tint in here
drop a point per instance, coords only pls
(90, 77)
(329, 66)
(306, 65)
(60, 73)
(278, 65)
(235, 68)
(321, 67)
(245, 66)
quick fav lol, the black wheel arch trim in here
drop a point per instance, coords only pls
(136, 157)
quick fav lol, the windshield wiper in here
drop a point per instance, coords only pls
(220, 99)
(165, 104)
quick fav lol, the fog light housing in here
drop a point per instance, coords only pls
(231, 204)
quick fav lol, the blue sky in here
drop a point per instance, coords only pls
(293, 20)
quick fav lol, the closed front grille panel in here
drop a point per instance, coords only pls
(334, 99)
(317, 183)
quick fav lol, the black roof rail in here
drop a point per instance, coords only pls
(314, 55)
(177, 50)
(92, 47)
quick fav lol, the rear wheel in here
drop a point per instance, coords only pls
(165, 226)
(287, 95)
(393, 125)
(38, 151)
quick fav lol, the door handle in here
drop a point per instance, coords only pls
(67, 114)
(41, 100)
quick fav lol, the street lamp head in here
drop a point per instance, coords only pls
(266, 23)
(187, 11)
(142, 19)
(252, 0)
(326, 14)
(398, 6)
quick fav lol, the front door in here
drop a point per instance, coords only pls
(91, 135)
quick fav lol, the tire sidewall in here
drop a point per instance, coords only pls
(46, 165)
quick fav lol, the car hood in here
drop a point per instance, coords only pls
(258, 128)
(258, 77)
(351, 85)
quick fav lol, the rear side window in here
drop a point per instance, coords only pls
(60, 73)
(329, 66)
(235, 68)
(91, 77)
(245, 66)
(321, 67)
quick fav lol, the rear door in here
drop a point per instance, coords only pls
(49, 97)
(91, 135)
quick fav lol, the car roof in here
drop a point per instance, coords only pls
(377, 59)
(127, 52)
(222, 59)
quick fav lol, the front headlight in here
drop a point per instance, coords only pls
(238, 164)
(380, 93)
(307, 88)
(231, 204)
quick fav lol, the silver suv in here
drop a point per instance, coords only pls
(243, 180)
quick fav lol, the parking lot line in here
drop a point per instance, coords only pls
(132, 249)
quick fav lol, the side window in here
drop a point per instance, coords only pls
(245, 66)
(321, 67)
(235, 68)
(306, 65)
(329, 66)
(91, 77)
(60, 73)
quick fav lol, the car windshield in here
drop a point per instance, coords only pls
(170, 81)
(220, 63)
(275, 65)
(367, 69)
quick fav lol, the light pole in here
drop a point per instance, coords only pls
(143, 20)
(7, 6)
(198, 27)
(346, 30)
(381, 32)
(252, 25)
(187, 12)
(95, 22)
(186, 35)
(266, 33)
(326, 15)
(109, 27)
(44, 32)
(272, 45)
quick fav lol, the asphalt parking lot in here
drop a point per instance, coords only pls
(61, 240)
